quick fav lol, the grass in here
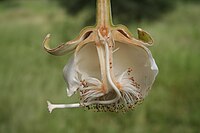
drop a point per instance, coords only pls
(29, 76)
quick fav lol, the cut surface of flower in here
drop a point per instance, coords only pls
(110, 69)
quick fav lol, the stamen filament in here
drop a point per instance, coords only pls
(104, 102)
(89, 88)
(115, 50)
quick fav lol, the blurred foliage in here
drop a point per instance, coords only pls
(9, 3)
(189, 1)
(29, 76)
(126, 10)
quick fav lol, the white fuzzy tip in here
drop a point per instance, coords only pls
(50, 107)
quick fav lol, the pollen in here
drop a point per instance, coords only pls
(129, 70)
(84, 83)
(110, 65)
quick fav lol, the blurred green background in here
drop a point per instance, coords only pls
(29, 76)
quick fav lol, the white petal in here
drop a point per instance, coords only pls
(140, 61)
(154, 67)
(88, 62)
(71, 77)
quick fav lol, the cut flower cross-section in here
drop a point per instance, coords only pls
(110, 69)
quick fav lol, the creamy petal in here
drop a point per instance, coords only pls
(71, 77)
(87, 61)
(140, 62)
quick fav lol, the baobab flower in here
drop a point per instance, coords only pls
(110, 69)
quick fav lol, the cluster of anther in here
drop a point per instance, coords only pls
(118, 106)
(106, 108)
(112, 107)
(131, 91)
(84, 83)
(127, 101)
(134, 83)
(90, 89)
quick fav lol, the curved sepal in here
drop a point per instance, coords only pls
(59, 50)
(68, 47)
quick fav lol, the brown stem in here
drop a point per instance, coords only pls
(104, 17)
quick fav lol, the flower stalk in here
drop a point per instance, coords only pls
(104, 16)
